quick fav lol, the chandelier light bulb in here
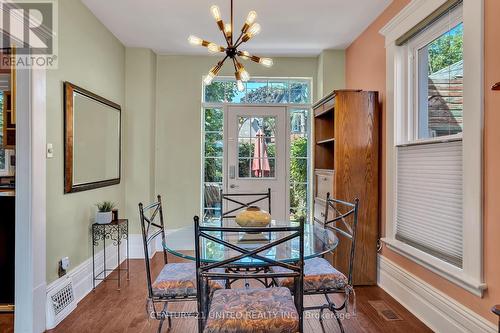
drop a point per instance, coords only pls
(254, 30)
(266, 62)
(214, 48)
(216, 12)
(240, 85)
(193, 40)
(252, 16)
(244, 55)
(208, 79)
(227, 29)
(244, 75)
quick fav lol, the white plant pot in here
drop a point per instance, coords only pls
(103, 217)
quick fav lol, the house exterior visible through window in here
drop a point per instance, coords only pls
(295, 94)
(440, 73)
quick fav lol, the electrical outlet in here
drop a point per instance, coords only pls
(65, 263)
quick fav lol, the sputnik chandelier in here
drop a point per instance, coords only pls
(248, 31)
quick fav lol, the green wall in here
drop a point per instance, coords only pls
(139, 139)
(331, 72)
(91, 57)
(178, 126)
(161, 125)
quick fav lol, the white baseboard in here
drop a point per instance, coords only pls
(81, 276)
(437, 310)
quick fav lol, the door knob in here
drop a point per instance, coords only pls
(233, 186)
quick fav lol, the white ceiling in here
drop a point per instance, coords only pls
(289, 27)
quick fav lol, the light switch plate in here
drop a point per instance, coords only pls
(50, 150)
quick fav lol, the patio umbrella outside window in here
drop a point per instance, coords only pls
(260, 163)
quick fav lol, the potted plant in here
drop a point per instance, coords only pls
(104, 214)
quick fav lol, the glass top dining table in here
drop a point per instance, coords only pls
(317, 241)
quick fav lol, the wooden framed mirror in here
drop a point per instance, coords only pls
(92, 140)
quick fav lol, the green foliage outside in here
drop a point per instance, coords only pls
(220, 91)
(214, 121)
(298, 174)
(446, 50)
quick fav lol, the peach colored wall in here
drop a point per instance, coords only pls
(365, 69)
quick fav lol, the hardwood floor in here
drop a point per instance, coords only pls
(6, 322)
(108, 310)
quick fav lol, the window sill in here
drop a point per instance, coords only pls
(452, 273)
(449, 138)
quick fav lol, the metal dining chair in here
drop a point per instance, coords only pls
(228, 310)
(236, 198)
(320, 277)
(177, 281)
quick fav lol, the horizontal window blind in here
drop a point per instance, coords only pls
(429, 199)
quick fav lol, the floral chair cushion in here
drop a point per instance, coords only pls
(252, 310)
(179, 280)
(319, 274)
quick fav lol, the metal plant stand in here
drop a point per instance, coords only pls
(115, 231)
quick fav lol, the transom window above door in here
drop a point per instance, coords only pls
(259, 91)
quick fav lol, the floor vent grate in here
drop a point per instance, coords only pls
(60, 302)
(63, 298)
(385, 311)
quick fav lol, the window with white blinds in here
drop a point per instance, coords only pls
(429, 201)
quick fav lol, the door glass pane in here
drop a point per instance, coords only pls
(256, 147)
(271, 147)
(245, 148)
(244, 167)
(440, 85)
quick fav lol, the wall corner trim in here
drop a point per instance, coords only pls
(437, 310)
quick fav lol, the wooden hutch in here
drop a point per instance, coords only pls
(346, 164)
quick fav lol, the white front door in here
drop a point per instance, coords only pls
(256, 155)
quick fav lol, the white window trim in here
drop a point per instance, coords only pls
(470, 276)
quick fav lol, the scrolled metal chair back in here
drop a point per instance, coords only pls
(152, 226)
(344, 224)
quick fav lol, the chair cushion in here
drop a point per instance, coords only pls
(252, 310)
(319, 274)
(179, 280)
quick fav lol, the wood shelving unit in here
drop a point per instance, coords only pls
(346, 161)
